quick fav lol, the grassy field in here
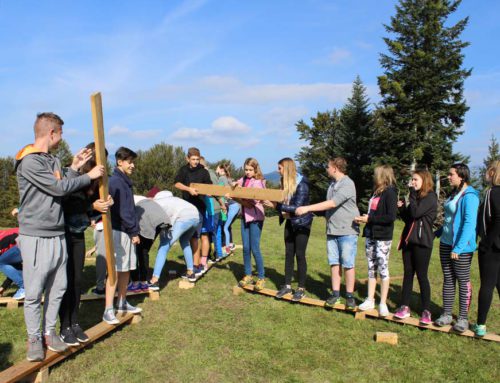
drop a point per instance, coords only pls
(207, 334)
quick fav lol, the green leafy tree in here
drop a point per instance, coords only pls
(63, 152)
(157, 166)
(323, 139)
(356, 141)
(9, 198)
(422, 109)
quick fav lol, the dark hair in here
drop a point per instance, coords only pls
(193, 152)
(93, 189)
(340, 163)
(463, 172)
(227, 168)
(427, 182)
(125, 154)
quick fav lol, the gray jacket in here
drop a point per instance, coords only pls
(151, 218)
(41, 188)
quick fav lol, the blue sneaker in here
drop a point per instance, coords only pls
(133, 287)
(198, 271)
(20, 294)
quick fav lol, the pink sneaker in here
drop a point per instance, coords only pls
(402, 313)
(426, 319)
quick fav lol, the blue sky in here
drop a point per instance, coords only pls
(231, 77)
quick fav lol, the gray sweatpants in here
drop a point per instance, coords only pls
(44, 270)
(100, 259)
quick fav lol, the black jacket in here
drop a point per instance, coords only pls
(300, 198)
(489, 221)
(380, 224)
(123, 216)
(419, 217)
(198, 175)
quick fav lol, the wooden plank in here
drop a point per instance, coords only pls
(374, 314)
(239, 192)
(24, 369)
(100, 151)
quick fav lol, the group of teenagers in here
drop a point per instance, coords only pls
(58, 204)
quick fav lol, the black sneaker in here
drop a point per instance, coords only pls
(68, 337)
(283, 291)
(79, 333)
(99, 292)
(190, 277)
(153, 286)
(298, 294)
(350, 303)
(332, 301)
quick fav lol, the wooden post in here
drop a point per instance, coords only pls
(97, 120)
(12, 304)
(237, 290)
(386, 337)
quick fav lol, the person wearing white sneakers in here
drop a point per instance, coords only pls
(378, 232)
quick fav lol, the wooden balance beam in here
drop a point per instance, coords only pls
(39, 370)
(369, 313)
(239, 192)
(14, 304)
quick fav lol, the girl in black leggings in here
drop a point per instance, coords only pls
(489, 246)
(416, 242)
(297, 228)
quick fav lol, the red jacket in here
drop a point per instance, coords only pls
(8, 239)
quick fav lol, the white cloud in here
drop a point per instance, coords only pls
(339, 55)
(229, 125)
(118, 130)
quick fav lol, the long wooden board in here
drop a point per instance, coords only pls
(24, 369)
(274, 195)
(374, 314)
(100, 151)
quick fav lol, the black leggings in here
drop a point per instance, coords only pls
(416, 261)
(295, 245)
(489, 270)
(68, 312)
(141, 273)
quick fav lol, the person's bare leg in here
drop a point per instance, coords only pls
(123, 278)
(350, 279)
(195, 247)
(384, 290)
(336, 277)
(110, 292)
(372, 284)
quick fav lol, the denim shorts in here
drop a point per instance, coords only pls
(341, 250)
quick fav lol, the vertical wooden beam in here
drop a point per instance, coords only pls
(97, 121)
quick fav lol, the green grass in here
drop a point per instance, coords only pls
(207, 334)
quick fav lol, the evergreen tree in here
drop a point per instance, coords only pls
(9, 198)
(64, 154)
(157, 166)
(423, 108)
(323, 139)
(493, 155)
(356, 141)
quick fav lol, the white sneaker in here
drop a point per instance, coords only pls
(368, 304)
(383, 310)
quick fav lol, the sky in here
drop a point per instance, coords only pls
(231, 77)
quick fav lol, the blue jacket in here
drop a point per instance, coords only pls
(465, 221)
(300, 198)
(123, 216)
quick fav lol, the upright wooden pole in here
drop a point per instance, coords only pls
(100, 153)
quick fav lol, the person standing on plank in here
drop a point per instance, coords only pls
(297, 227)
(41, 229)
(125, 234)
(194, 172)
(489, 246)
(417, 241)
(457, 244)
(78, 208)
(341, 230)
(378, 232)
(233, 208)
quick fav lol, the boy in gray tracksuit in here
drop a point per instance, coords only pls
(41, 228)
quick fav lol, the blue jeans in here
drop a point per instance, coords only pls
(217, 235)
(232, 211)
(9, 258)
(341, 250)
(250, 236)
(182, 231)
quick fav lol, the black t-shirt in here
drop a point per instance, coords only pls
(188, 175)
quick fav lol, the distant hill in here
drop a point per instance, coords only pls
(274, 177)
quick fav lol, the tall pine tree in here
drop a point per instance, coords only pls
(493, 155)
(356, 140)
(422, 109)
(323, 139)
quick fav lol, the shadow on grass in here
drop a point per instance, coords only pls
(5, 351)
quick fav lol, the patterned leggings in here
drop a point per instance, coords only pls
(453, 270)
(377, 255)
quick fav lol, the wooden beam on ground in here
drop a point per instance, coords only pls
(374, 314)
(386, 337)
(100, 151)
(239, 192)
(25, 369)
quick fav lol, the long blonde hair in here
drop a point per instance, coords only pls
(383, 177)
(255, 165)
(289, 177)
(493, 173)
